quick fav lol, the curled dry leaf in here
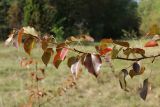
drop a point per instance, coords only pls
(115, 52)
(145, 89)
(93, 63)
(151, 43)
(122, 75)
(134, 51)
(121, 43)
(29, 44)
(47, 55)
(133, 73)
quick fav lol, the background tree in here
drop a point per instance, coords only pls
(150, 14)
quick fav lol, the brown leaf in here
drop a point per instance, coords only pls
(144, 91)
(133, 73)
(115, 52)
(29, 44)
(93, 63)
(20, 34)
(122, 75)
(121, 43)
(71, 61)
(47, 55)
(134, 51)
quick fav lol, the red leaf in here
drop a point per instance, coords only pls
(60, 56)
(104, 51)
(151, 43)
(93, 63)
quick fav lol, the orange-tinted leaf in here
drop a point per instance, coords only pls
(144, 91)
(29, 44)
(93, 63)
(151, 43)
(121, 43)
(106, 41)
(122, 75)
(104, 51)
(60, 56)
(47, 55)
(133, 73)
(20, 34)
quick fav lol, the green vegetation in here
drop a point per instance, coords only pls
(149, 11)
(98, 18)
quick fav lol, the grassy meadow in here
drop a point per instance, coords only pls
(104, 91)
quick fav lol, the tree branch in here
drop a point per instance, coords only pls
(137, 59)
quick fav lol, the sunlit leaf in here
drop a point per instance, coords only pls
(29, 44)
(75, 68)
(121, 43)
(133, 73)
(10, 38)
(47, 55)
(144, 91)
(151, 43)
(30, 30)
(122, 75)
(93, 63)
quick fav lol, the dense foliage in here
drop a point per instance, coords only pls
(99, 18)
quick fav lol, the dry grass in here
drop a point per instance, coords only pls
(90, 92)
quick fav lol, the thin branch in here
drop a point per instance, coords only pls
(137, 59)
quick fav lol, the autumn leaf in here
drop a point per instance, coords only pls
(122, 75)
(93, 63)
(29, 44)
(71, 61)
(115, 52)
(134, 51)
(60, 56)
(10, 38)
(133, 73)
(151, 43)
(75, 68)
(104, 51)
(144, 91)
(20, 34)
(121, 43)
(136, 67)
(47, 55)
(30, 30)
